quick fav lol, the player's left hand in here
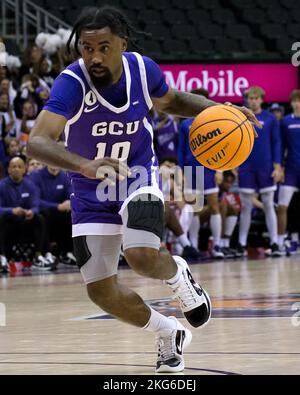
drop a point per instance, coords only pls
(249, 114)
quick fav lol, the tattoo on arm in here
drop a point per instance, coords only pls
(188, 104)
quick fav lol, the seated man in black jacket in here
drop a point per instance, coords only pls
(19, 216)
(54, 189)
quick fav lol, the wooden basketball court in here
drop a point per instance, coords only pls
(53, 328)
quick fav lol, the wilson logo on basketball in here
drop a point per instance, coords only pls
(201, 139)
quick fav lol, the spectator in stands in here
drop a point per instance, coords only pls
(6, 109)
(25, 124)
(59, 61)
(2, 145)
(165, 136)
(260, 173)
(54, 192)
(277, 110)
(19, 215)
(23, 151)
(12, 149)
(33, 165)
(45, 76)
(32, 57)
(43, 94)
(6, 87)
(45, 71)
(28, 92)
(3, 73)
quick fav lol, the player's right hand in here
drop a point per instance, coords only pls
(64, 206)
(278, 174)
(105, 169)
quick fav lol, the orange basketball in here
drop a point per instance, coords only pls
(221, 137)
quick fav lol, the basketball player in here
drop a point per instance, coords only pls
(102, 102)
(290, 130)
(165, 136)
(261, 171)
(277, 110)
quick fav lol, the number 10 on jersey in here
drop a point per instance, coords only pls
(119, 151)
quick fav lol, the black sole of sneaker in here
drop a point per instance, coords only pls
(200, 316)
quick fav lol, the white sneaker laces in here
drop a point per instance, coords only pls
(185, 294)
(166, 347)
(3, 261)
(50, 258)
(42, 261)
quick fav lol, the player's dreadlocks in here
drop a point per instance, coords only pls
(106, 16)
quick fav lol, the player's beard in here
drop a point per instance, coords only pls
(102, 81)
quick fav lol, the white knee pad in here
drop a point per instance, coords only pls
(286, 193)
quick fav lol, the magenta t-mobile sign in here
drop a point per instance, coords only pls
(226, 82)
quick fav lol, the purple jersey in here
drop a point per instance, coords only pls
(290, 131)
(165, 138)
(113, 122)
(255, 174)
(267, 147)
(186, 158)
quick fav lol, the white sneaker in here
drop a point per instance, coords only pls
(194, 301)
(51, 258)
(217, 253)
(68, 259)
(4, 268)
(41, 263)
(171, 345)
(283, 250)
(274, 251)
